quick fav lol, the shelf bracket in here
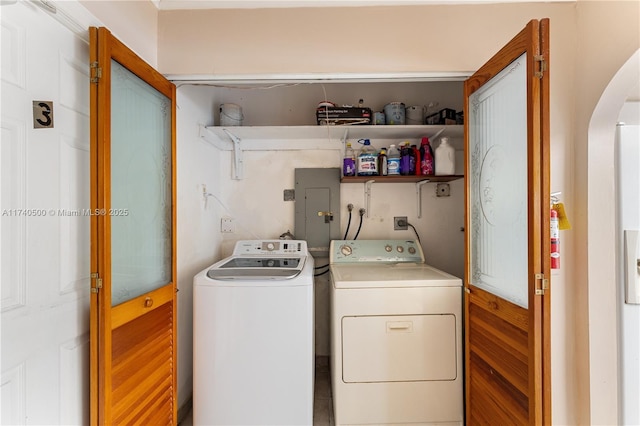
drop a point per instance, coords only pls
(419, 195)
(438, 133)
(346, 134)
(238, 162)
(367, 195)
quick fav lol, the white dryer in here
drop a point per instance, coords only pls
(396, 326)
(253, 338)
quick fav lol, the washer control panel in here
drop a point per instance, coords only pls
(386, 251)
(270, 247)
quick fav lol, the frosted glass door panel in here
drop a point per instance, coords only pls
(498, 173)
(140, 186)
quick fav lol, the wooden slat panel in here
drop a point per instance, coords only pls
(139, 339)
(140, 371)
(483, 319)
(506, 359)
(494, 400)
(153, 409)
(142, 349)
(503, 309)
(158, 411)
(142, 385)
(498, 368)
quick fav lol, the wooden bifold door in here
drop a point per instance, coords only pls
(507, 292)
(133, 238)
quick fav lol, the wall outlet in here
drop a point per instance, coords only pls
(400, 223)
(226, 225)
(443, 190)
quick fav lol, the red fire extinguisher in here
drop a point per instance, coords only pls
(555, 241)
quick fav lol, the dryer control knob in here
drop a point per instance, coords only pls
(270, 246)
(400, 249)
(388, 248)
(345, 250)
(412, 250)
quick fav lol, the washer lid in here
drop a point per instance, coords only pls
(391, 276)
(257, 268)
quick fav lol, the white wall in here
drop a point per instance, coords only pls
(133, 22)
(198, 217)
(601, 95)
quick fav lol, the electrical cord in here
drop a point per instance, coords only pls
(350, 208)
(321, 273)
(405, 223)
(362, 211)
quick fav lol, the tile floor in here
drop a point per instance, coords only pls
(322, 402)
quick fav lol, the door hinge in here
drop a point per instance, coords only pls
(95, 276)
(96, 72)
(543, 65)
(540, 289)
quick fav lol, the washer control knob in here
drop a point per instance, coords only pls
(400, 249)
(346, 250)
(271, 263)
(270, 246)
(412, 250)
(388, 248)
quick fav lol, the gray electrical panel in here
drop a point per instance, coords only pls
(317, 202)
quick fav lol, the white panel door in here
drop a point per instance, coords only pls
(628, 158)
(44, 176)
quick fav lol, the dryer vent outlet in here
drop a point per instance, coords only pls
(400, 223)
(443, 190)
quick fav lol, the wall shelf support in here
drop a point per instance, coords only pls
(367, 194)
(238, 164)
(419, 195)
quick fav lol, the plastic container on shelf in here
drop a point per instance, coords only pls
(393, 161)
(406, 154)
(382, 162)
(426, 157)
(349, 161)
(394, 113)
(415, 162)
(231, 115)
(367, 159)
(445, 161)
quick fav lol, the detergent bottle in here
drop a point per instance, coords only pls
(393, 161)
(426, 157)
(382, 162)
(349, 161)
(445, 158)
(367, 159)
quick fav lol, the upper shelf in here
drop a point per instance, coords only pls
(399, 179)
(289, 137)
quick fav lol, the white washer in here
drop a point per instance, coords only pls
(396, 326)
(253, 338)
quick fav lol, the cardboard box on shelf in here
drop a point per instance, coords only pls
(343, 115)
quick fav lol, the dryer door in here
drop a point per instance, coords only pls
(399, 348)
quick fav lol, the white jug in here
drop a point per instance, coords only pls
(445, 158)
